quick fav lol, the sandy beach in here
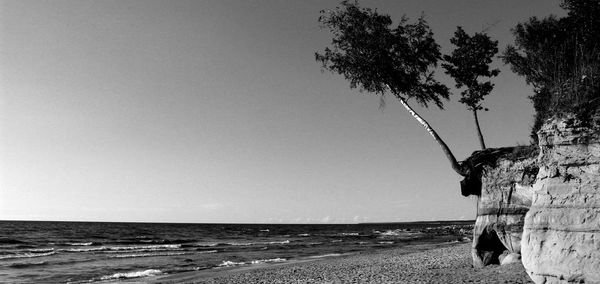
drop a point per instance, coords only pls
(441, 263)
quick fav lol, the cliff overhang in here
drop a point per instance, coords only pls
(501, 179)
(541, 202)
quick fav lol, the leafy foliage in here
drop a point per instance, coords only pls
(560, 57)
(375, 57)
(469, 62)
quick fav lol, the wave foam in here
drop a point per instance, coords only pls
(206, 244)
(396, 232)
(126, 249)
(240, 244)
(86, 249)
(279, 243)
(259, 243)
(133, 274)
(80, 244)
(163, 241)
(149, 247)
(268, 260)
(148, 254)
(41, 250)
(26, 255)
(229, 263)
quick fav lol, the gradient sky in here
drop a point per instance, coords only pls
(216, 111)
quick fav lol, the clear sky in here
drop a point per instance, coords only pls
(216, 111)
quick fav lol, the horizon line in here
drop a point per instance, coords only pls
(240, 223)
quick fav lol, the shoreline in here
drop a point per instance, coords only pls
(448, 262)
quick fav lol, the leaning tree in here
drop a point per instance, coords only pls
(468, 64)
(377, 58)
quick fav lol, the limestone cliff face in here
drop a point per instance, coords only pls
(561, 234)
(504, 199)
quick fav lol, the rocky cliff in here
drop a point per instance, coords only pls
(561, 234)
(506, 177)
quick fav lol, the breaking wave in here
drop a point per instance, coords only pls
(239, 244)
(80, 244)
(133, 274)
(149, 247)
(163, 241)
(199, 245)
(229, 263)
(38, 250)
(129, 248)
(206, 244)
(85, 249)
(267, 260)
(397, 232)
(259, 243)
(26, 255)
(148, 254)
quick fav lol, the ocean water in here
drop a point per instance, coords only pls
(86, 252)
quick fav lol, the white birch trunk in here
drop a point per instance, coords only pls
(453, 162)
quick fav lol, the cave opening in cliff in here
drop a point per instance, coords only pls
(489, 247)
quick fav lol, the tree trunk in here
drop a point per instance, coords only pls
(481, 142)
(455, 165)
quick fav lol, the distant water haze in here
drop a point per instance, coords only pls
(216, 111)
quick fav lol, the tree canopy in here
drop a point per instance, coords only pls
(375, 57)
(468, 63)
(560, 57)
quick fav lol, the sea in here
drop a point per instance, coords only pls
(88, 252)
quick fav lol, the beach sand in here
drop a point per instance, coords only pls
(441, 263)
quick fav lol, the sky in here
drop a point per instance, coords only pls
(215, 111)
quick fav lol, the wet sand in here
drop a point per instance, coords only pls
(442, 263)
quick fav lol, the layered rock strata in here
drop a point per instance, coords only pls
(506, 176)
(561, 233)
